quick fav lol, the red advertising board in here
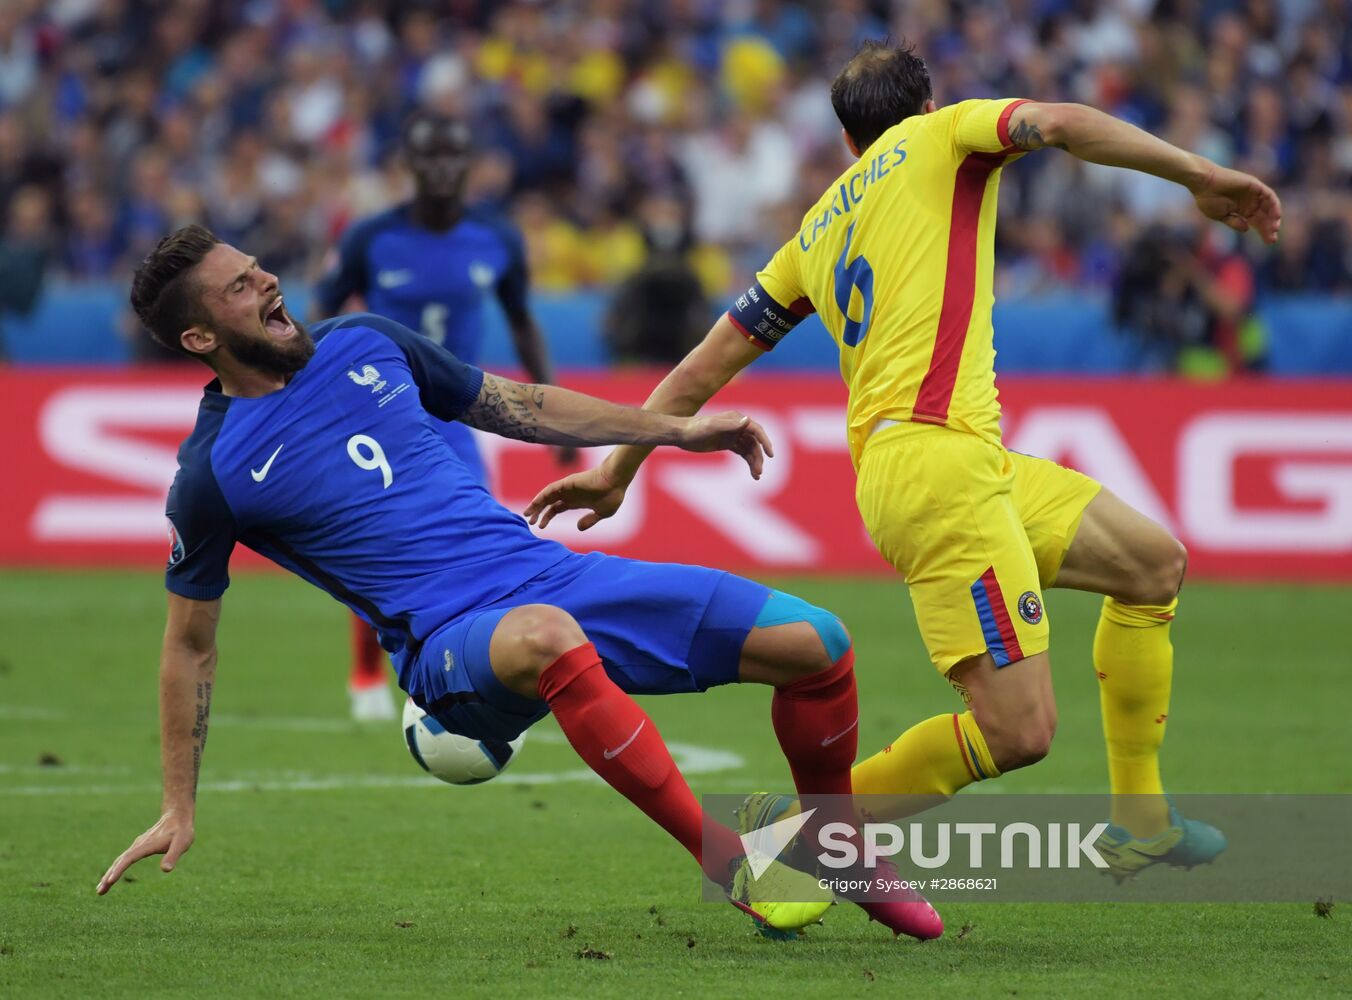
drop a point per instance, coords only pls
(1256, 477)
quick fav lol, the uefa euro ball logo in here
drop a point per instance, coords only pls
(1030, 608)
(175, 544)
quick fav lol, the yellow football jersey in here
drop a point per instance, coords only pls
(897, 258)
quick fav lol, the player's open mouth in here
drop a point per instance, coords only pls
(277, 322)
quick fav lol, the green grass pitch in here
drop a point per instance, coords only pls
(325, 866)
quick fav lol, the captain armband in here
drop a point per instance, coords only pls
(762, 320)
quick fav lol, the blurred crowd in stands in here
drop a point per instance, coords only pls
(687, 134)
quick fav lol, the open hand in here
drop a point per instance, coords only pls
(171, 836)
(1240, 201)
(591, 490)
(730, 431)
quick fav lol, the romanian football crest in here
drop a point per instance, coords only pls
(1030, 607)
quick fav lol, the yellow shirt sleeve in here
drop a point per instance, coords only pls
(983, 126)
(780, 276)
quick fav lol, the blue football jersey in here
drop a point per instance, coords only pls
(435, 283)
(343, 478)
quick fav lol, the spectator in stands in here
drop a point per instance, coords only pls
(23, 163)
(660, 312)
(18, 56)
(25, 247)
(738, 168)
(1190, 302)
(178, 51)
(539, 141)
(93, 245)
(1313, 254)
(144, 216)
(606, 107)
(132, 121)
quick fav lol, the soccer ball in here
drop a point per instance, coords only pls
(456, 759)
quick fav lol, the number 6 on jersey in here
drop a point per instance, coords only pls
(374, 460)
(859, 274)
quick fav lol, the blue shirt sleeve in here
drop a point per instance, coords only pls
(446, 385)
(349, 275)
(513, 288)
(202, 534)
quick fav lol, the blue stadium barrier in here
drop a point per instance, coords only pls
(1308, 335)
(74, 324)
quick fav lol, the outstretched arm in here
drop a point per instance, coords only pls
(712, 364)
(1237, 199)
(723, 353)
(187, 672)
(548, 414)
(534, 356)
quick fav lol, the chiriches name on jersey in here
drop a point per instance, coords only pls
(850, 193)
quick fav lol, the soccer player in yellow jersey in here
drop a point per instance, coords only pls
(896, 258)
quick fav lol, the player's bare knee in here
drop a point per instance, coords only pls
(1037, 740)
(793, 641)
(1017, 739)
(535, 636)
(1160, 582)
(833, 642)
(1177, 565)
(547, 632)
(1022, 746)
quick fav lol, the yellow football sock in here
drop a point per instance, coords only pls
(1135, 664)
(935, 757)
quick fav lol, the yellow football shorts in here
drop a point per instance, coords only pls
(976, 530)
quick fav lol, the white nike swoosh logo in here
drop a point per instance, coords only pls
(261, 474)
(393, 279)
(831, 739)
(612, 754)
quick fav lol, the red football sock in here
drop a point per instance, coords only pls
(620, 743)
(368, 666)
(817, 721)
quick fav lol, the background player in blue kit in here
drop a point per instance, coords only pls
(323, 455)
(430, 264)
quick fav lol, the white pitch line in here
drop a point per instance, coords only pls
(291, 785)
(690, 758)
(59, 770)
(32, 712)
(281, 723)
(298, 724)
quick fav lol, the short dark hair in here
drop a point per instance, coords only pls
(162, 293)
(881, 85)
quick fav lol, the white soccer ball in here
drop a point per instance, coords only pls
(459, 760)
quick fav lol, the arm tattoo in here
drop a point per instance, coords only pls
(199, 731)
(507, 408)
(1027, 135)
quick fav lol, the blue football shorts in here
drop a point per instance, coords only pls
(660, 628)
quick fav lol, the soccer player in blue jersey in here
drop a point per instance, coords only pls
(320, 451)
(430, 264)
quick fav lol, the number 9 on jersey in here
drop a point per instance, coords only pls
(372, 458)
